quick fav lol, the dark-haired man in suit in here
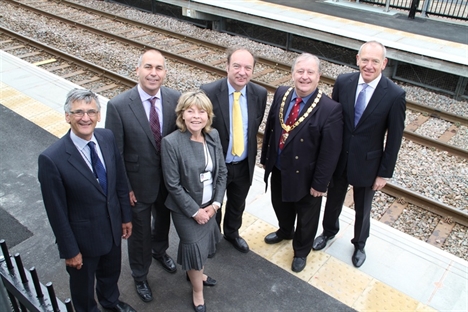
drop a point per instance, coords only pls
(85, 194)
(238, 105)
(374, 120)
(301, 146)
(139, 118)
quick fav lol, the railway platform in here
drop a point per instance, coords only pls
(401, 273)
(427, 42)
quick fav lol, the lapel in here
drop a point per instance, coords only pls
(252, 101)
(136, 106)
(168, 111)
(106, 150)
(212, 150)
(377, 96)
(76, 160)
(296, 130)
(223, 101)
(350, 98)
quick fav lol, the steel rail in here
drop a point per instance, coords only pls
(437, 144)
(99, 71)
(441, 209)
(436, 207)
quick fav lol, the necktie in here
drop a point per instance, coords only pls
(293, 114)
(98, 167)
(237, 127)
(154, 123)
(360, 105)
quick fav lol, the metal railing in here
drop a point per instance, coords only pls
(24, 294)
(455, 9)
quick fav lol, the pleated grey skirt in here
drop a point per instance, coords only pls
(197, 241)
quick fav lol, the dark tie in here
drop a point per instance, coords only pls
(154, 124)
(360, 105)
(293, 114)
(98, 168)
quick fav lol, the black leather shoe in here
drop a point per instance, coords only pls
(209, 281)
(273, 238)
(298, 264)
(239, 243)
(144, 291)
(122, 307)
(200, 308)
(359, 256)
(321, 241)
(167, 263)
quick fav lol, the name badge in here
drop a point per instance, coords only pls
(205, 176)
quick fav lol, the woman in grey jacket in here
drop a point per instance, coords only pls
(195, 175)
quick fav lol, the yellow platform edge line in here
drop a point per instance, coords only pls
(335, 278)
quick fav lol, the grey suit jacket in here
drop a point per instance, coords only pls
(127, 119)
(217, 91)
(183, 160)
(364, 155)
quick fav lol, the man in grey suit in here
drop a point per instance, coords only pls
(230, 95)
(83, 185)
(139, 118)
(373, 108)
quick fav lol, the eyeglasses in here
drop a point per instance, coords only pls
(80, 113)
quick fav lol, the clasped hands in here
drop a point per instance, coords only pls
(205, 214)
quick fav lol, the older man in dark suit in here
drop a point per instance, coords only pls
(373, 108)
(83, 185)
(139, 118)
(302, 142)
(238, 105)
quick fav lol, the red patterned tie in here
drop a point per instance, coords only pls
(293, 114)
(154, 123)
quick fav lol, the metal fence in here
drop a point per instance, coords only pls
(18, 293)
(456, 9)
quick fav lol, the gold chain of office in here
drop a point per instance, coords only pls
(303, 117)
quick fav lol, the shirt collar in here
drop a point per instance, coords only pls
(79, 142)
(373, 84)
(232, 90)
(304, 99)
(145, 96)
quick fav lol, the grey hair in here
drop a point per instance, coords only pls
(80, 95)
(140, 59)
(305, 56)
(375, 42)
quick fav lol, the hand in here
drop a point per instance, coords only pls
(126, 230)
(315, 193)
(75, 262)
(379, 184)
(132, 198)
(202, 216)
(210, 210)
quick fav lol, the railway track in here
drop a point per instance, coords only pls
(83, 73)
(210, 57)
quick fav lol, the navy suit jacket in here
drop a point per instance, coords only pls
(310, 153)
(363, 152)
(82, 217)
(126, 117)
(217, 91)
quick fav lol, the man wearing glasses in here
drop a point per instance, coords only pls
(85, 194)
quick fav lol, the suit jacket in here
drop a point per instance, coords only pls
(217, 91)
(310, 153)
(363, 152)
(126, 117)
(183, 160)
(82, 217)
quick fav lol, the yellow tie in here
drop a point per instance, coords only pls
(237, 127)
